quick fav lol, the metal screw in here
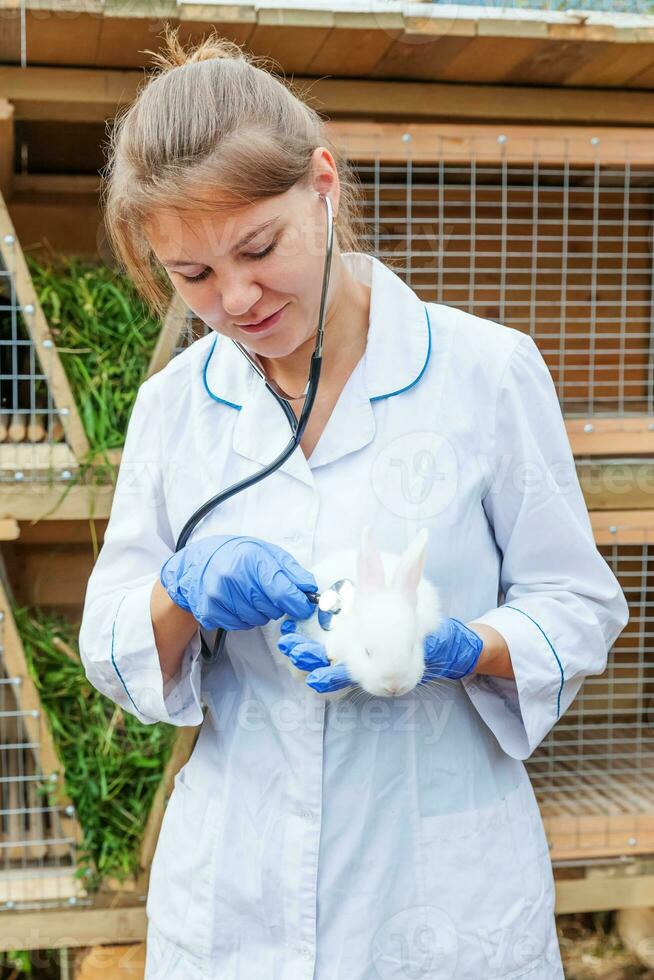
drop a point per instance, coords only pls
(9, 239)
(28, 308)
(64, 411)
(501, 139)
(34, 712)
(10, 904)
(406, 137)
(632, 841)
(53, 777)
(589, 427)
(66, 475)
(70, 810)
(594, 141)
(613, 529)
(72, 900)
(48, 343)
(19, 475)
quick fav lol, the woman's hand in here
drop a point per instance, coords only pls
(311, 656)
(452, 650)
(236, 582)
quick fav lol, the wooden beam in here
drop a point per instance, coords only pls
(55, 929)
(623, 527)
(611, 437)
(94, 95)
(595, 894)
(6, 148)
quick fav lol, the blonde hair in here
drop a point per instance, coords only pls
(213, 131)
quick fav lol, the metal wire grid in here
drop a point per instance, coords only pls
(609, 6)
(37, 859)
(28, 415)
(562, 252)
(599, 757)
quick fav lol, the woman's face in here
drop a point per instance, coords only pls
(228, 283)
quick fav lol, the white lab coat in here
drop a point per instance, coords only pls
(380, 837)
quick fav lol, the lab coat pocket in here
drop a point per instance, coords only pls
(487, 871)
(181, 891)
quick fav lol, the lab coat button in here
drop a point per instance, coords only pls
(307, 814)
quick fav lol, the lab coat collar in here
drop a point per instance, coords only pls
(397, 351)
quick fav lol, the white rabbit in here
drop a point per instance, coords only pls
(380, 637)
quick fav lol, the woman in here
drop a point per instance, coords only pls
(371, 837)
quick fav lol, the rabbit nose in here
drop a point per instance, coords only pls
(392, 688)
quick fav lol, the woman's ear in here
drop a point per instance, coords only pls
(370, 567)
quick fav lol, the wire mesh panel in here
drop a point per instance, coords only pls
(557, 244)
(594, 773)
(40, 431)
(39, 831)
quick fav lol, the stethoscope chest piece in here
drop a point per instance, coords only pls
(338, 598)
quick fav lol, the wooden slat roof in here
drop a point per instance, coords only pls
(371, 39)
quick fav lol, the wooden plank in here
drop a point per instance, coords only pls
(43, 503)
(94, 95)
(26, 457)
(424, 142)
(39, 885)
(611, 436)
(598, 895)
(9, 529)
(6, 148)
(173, 326)
(623, 527)
(54, 929)
(126, 961)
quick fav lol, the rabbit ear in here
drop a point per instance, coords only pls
(370, 567)
(410, 567)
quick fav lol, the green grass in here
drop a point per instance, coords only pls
(104, 335)
(113, 763)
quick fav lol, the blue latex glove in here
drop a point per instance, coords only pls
(311, 656)
(235, 582)
(452, 651)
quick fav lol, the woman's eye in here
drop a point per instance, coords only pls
(261, 255)
(198, 278)
(250, 255)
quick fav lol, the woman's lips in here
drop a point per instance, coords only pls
(266, 324)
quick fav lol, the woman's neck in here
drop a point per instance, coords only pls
(344, 341)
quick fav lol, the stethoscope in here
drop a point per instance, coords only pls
(338, 597)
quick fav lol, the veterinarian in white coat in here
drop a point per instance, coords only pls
(380, 837)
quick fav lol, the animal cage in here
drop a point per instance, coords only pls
(547, 231)
(41, 435)
(39, 832)
(593, 773)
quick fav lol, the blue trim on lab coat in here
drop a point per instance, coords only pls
(373, 399)
(558, 699)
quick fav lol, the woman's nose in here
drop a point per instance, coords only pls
(239, 298)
